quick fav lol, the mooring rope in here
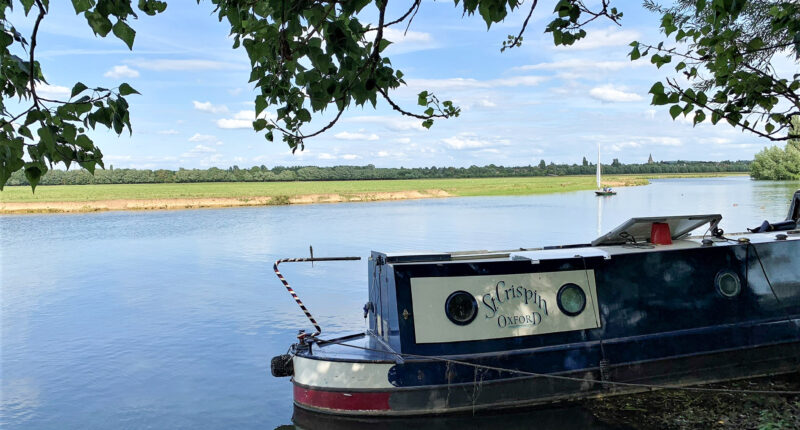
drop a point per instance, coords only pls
(567, 378)
(294, 295)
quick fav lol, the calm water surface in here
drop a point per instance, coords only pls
(169, 319)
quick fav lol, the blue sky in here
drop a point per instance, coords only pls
(526, 104)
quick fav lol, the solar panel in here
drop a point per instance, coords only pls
(638, 229)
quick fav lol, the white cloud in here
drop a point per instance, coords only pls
(118, 72)
(211, 160)
(608, 93)
(617, 147)
(487, 103)
(199, 151)
(197, 137)
(469, 83)
(346, 135)
(400, 36)
(350, 157)
(578, 64)
(666, 141)
(716, 140)
(408, 41)
(395, 123)
(208, 107)
(242, 119)
(390, 154)
(326, 156)
(470, 141)
(611, 36)
(52, 91)
(185, 65)
(168, 132)
(403, 140)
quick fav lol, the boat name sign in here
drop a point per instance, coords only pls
(501, 294)
(507, 305)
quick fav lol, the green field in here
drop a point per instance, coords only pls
(244, 190)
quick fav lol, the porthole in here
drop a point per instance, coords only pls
(728, 283)
(571, 299)
(461, 308)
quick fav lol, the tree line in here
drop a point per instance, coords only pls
(368, 172)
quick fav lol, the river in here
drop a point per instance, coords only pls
(168, 319)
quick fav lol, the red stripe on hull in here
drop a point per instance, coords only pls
(342, 401)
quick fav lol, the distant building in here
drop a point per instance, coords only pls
(650, 159)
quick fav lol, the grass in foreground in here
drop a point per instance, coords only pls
(282, 190)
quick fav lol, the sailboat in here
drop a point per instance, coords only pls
(602, 191)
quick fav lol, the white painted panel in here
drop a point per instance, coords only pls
(508, 305)
(341, 374)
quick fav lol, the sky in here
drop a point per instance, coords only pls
(518, 107)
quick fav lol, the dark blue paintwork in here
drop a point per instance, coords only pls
(653, 306)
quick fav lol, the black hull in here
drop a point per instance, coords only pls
(507, 394)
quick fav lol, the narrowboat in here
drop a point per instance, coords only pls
(643, 307)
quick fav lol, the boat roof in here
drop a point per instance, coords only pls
(638, 229)
(630, 237)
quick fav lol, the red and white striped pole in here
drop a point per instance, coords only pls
(294, 295)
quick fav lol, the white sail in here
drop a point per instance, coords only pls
(598, 165)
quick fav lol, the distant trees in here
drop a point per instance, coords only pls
(368, 172)
(775, 163)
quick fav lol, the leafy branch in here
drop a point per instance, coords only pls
(48, 131)
(724, 52)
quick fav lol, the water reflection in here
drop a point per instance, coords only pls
(555, 418)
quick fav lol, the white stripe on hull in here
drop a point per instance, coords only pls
(341, 374)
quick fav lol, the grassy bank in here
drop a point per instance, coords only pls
(454, 187)
(85, 198)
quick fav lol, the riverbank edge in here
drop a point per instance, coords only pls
(208, 202)
(101, 205)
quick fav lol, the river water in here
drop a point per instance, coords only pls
(168, 319)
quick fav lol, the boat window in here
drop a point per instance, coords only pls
(571, 299)
(728, 283)
(461, 308)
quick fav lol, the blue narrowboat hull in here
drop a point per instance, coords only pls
(688, 312)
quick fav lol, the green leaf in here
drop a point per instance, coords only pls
(657, 88)
(126, 90)
(77, 89)
(635, 54)
(152, 7)
(261, 104)
(46, 136)
(304, 115)
(84, 142)
(700, 5)
(81, 5)
(33, 172)
(124, 32)
(26, 5)
(100, 23)
(33, 116)
(422, 98)
(675, 110)
(25, 132)
(260, 124)
(427, 123)
(699, 116)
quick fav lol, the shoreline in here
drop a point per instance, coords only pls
(63, 199)
(56, 207)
